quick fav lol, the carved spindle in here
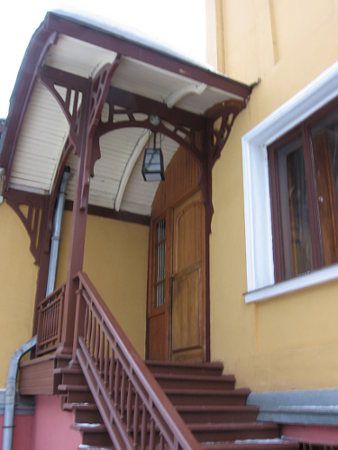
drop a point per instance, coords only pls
(123, 393)
(85, 329)
(152, 435)
(111, 372)
(136, 419)
(129, 405)
(106, 362)
(143, 428)
(97, 342)
(161, 443)
(117, 382)
(102, 345)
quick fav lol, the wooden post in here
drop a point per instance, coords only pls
(79, 221)
(93, 98)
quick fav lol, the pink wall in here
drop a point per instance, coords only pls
(23, 435)
(312, 434)
(52, 426)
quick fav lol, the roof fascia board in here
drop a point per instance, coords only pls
(83, 31)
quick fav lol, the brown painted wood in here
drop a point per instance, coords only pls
(182, 177)
(188, 280)
(180, 201)
(108, 213)
(36, 377)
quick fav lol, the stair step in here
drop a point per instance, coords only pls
(75, 393)
(217, 413)
(211, 368)
(252, 444)
(69, 375)
(90, 447)
(93, 434)
(79, 405)
(195, 381)
(73, 388)
(207, 432)
(207, 396)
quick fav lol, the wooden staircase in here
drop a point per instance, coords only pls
(207, 400)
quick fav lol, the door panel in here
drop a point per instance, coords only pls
(157, 337)
(186, 311)
(187, 327)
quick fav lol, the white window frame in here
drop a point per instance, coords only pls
(258, 228)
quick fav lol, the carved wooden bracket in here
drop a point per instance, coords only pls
(68, 94)
(32, 210)
(127, 110)
(221, 118)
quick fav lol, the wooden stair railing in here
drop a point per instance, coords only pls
(133, 407)
(49, 313)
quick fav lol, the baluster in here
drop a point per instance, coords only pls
(96, 342)
(93, 336)
(111, 372)
(161, 443)
(117, 382)
(102, 344)
(152, 435)
(53, 322)
(123, 393)
(86, 321)
(106, 362)
(90, 320)
(144, 428)
(136, 418)
(129, 405)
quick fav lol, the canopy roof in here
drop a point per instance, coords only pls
(147, 80)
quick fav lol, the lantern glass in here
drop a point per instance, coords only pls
(152, 168)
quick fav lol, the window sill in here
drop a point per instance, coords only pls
(317, 277)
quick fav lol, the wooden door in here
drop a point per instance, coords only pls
(177, 309)
(188, 280)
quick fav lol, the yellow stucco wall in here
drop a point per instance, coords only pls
(116, 258)
(291, 341)
(17, 287)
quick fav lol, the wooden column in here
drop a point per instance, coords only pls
(79, 221)
(87, 148)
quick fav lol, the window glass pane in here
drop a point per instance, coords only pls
(325, 152)
(160, 263)
(296, 240)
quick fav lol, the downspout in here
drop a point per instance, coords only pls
(55, 241)
(8, 426)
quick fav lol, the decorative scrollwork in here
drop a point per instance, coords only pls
(118, 116)
(31, 209)
(221, 119)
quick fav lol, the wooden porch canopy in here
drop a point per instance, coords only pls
(136, 87)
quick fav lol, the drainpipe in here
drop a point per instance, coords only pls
(54, 250)
(8, 426)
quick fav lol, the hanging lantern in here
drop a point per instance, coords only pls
(152, 167)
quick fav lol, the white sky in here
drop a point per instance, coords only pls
(179, 24)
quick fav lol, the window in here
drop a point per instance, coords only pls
(303, 168)
(160, 263)
(301, 109)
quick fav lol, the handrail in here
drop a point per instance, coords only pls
(135, 410)
(50, 311)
